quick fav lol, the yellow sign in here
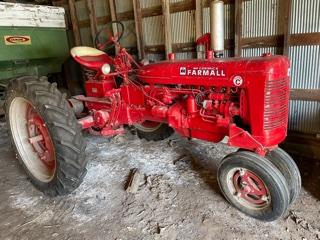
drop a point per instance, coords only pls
(17, 40)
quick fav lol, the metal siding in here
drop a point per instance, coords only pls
(129, 38)
(305, 16)
(82, 11)
(176, 1)
(149, 3)
(305, 74)
(228, 53)
(305, 70)
(102, 8)
(183, 27)
(153, 30)
(228, 21)
(123, 6)
(304, 116)
(86, 36)
(253, 52)
(185, 55)
(260, 18)
(155, 57)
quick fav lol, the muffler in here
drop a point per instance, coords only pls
(217, 27)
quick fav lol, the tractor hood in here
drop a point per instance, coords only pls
(204, 72)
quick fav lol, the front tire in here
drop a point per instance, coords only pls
(45, 134)
(289, 169)
(253, 185)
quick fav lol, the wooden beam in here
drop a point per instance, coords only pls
(286, 24)
(305, 94)
(199, 19)
(238, 28)
(151, 11)
(74, 21)
(100, 20)
(176, 47)
(167, 26)
(305, 39)
(92, 18)
(138, 25)
(259, 42)
(125, 16)
(186, 5)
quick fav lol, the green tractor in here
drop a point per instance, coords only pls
(33, 41)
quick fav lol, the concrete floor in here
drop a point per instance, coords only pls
(178, 197)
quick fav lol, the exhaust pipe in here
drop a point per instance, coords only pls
(217, 27)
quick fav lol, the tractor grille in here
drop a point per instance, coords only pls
(276, 103)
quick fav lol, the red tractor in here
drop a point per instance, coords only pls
(244, 99)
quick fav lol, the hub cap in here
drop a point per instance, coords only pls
(248, 189)
(32, 139)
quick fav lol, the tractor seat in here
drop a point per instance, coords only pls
(89, 57)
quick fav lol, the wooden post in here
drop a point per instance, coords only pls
(92, 18)
(167, 26)
(286, 23)
(238, 28)
(138, 25)
(199, 19)
(113, 13)
(74, 21)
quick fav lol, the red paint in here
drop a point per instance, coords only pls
(205, 40)
(39, 137)
(250, 188)
(198, 98)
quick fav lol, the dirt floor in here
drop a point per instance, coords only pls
(178, 197)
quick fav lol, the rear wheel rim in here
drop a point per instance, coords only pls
(32, 139)
(248, 189)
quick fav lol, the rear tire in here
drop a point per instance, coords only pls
(253, 185)
(289, 169)
(55, 162)
(153, 131)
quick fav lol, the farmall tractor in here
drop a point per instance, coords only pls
(243, 99)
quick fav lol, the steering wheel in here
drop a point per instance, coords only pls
(109, 35)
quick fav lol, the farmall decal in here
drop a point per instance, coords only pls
(202, 71)
(17, 40)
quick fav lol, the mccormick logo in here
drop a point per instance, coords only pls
(202, 71)
(17, 40)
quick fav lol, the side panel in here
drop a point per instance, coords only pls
(44, 52)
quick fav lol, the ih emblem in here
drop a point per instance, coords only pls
(183, 71)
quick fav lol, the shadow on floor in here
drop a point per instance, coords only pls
(310, 174)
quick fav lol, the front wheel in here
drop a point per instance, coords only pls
(45, 135)
(253, 185)
(289, 169)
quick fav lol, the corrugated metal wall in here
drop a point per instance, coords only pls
(260, 18)
(305, 70)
